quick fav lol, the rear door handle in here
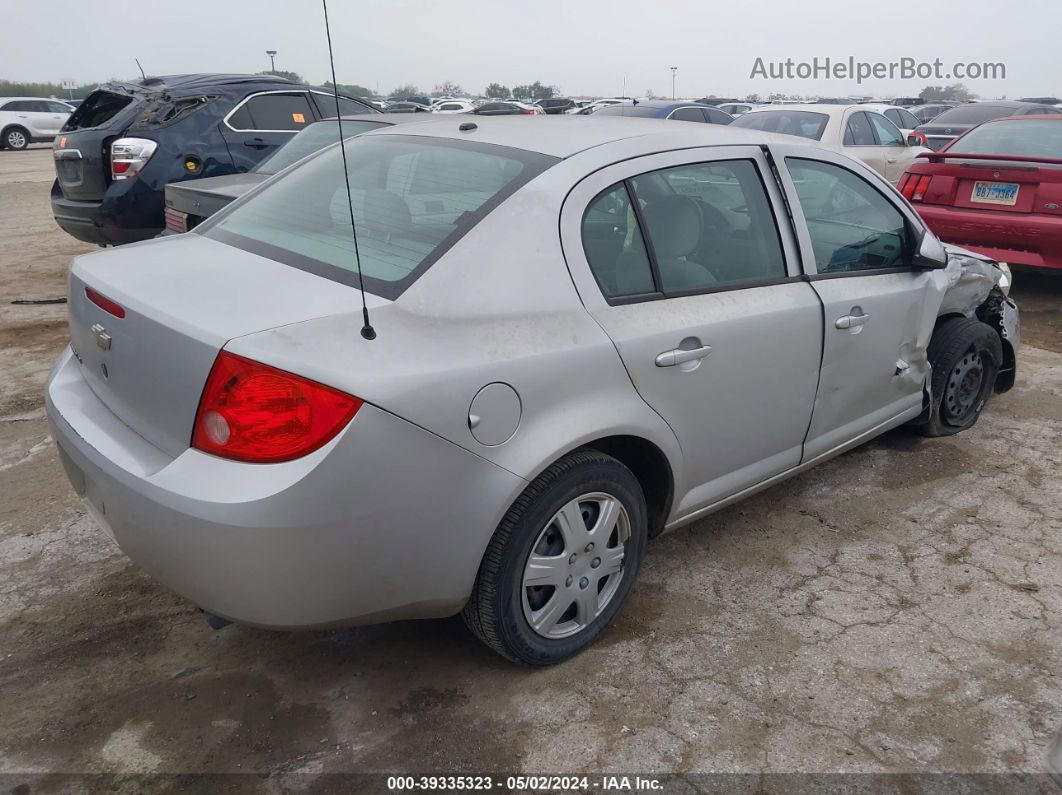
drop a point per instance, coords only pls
(256, 143)
(680, 355)
(850, 321)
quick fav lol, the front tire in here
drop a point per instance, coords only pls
(16, 138)
(965, 355)
(562, 562)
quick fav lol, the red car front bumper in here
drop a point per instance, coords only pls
(1032, 240)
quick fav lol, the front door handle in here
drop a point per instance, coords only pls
(850, 321)
(256, 143)
(680, 355)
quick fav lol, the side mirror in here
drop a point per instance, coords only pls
(931, 254)
(915, 139)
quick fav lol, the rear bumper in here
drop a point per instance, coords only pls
(1034, 241)
(126, 218)
(385, 522)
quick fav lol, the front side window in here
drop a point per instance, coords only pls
(887, 132)
(413, 198)
(58, 107)
(273, 112)
(858, 131)
(326, 105)
(852, 226)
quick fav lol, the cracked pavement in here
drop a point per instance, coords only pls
(897, 609)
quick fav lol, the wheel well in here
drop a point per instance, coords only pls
(4, 132)
(652, 469)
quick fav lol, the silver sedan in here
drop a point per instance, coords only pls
(577, 334)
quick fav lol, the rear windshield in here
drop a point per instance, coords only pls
(312, 139)
(788, 122)
(98, 108)
(413, 198)
(973, 114)
(626, 110)
(1013, 137)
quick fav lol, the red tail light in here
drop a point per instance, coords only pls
(920, 189)
(104, 303)
(914, 186)
(529, 112)
(256, 413)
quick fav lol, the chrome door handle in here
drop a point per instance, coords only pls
(680, 355)
(891, 159)
(850, 321)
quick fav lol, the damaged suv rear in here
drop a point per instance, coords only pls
(126, 141)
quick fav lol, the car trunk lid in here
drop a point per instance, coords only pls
(182, 299)
(190, 202)
(1000, 183)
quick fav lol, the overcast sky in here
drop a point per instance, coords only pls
(582, 46)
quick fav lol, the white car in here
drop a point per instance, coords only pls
(857, 130)
(597, 103)
(30, 120)
(453, 106)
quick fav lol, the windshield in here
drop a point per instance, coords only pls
(788, 122)
(314, 138)
(973, 114)
(413, 198)
(1013, 137)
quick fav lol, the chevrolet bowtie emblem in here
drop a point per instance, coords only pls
(103, 339)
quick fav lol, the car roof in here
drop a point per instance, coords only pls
(46, 99)
(563, 136)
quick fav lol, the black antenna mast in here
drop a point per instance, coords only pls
(141, 68)
(367, 331)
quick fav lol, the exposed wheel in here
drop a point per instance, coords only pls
(965, 355)
(16, 138)
(562, 561)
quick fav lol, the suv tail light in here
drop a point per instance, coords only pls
(256, 413)
(129, 156)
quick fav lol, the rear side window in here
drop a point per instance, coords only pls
(853, 227)
(413, 198)
(688, 114)
(614, 246)
(857, 131)
(97, 109)
(273, 112)
(326, 105)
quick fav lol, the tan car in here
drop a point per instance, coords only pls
(857, 130)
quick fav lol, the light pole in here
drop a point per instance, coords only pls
(673, 70)
(272, 64)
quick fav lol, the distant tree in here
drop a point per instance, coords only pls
(534, 91)
(295, 77)
(10, 89)
(351, 89)
(408, 90)
(752, 98)
(447, 88)
(956, 92)
(497, 91)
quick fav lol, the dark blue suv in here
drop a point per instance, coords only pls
(126, 141)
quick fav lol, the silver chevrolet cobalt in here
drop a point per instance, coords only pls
(587, 332)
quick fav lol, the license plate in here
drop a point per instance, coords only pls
(995, 193)
(176, 221)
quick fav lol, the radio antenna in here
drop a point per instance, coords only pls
(141, 68)
(367, 331)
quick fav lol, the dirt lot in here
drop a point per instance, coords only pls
(896, 610)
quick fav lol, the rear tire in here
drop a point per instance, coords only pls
(965, 355)
(16, 138)
(580, 530)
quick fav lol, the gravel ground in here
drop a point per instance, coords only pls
(895, 610)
